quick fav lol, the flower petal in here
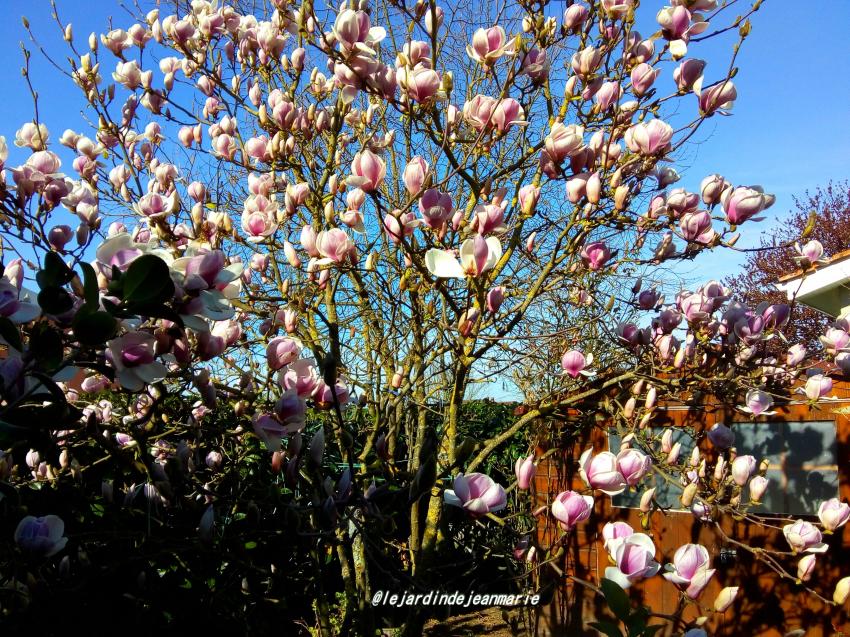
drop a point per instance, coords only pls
(443, 265)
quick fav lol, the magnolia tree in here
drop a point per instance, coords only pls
(240, 324)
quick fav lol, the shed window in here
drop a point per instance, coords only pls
(803, 470)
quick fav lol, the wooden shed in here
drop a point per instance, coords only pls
(808, 452)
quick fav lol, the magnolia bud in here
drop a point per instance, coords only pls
(725, 598)
(689, 494)
(646, 500)
(667, 441)
(842, 590)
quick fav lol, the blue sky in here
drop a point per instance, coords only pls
(789, 131)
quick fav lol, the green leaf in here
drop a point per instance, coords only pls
(9, 333)
(606, 628)
(147, 281)
(55, 300)
(155, 311)
(94, 328)
(46, 347)
(90, 286)
(617, 599)
(54, 273)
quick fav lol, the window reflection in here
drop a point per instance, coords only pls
(802, 471)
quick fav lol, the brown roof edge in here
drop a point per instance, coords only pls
(835, 258)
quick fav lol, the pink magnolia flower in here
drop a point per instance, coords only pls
(495, 298)
(833, 514)
(701, 510)
(616, 9)
(649, 138)
(775, 315)
(749, 328)
(613, 534)
(595, 254)
(368, 171)
(420, 83)
(525, 470)
(717, 98)
(414, 53)
(817, 387)
(490, 218)
(564, 141)
(721, 436)
(690, 570)
(301, 375)
(259, 148)
(601, 472)
(586, 61)
(281, 351)
(758, 486)
(696, 227)
(667, 441)
(507, 112)
(478, 112)
(133, 356)
(414, 175)
(535, 65)
(643, 76)
(214, 460)
(570, 508)
(270, 428)
(742, 468)
(488, 45)
(646, 500)
(477, 493)
(757, 403)
(11, 305)
(809, 254)
(804, 537)
(711, 189)
(528, 197)
(805, 567)
(326, 395)
(842, 361)
(744, 203)
(43, 535)
(634, 560)
(155, 206)
(398, 225)
(575, 16)
(633, 465)
(835, 340)
(607, 95)
(259, 218)
(354, 32)
(31, 136)
(674, 22)
(334, 246)
(573, 362)
(477, 255)
(435, 207)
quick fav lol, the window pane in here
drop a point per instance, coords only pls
(666, 494)
(802, 458)
(802, 472)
